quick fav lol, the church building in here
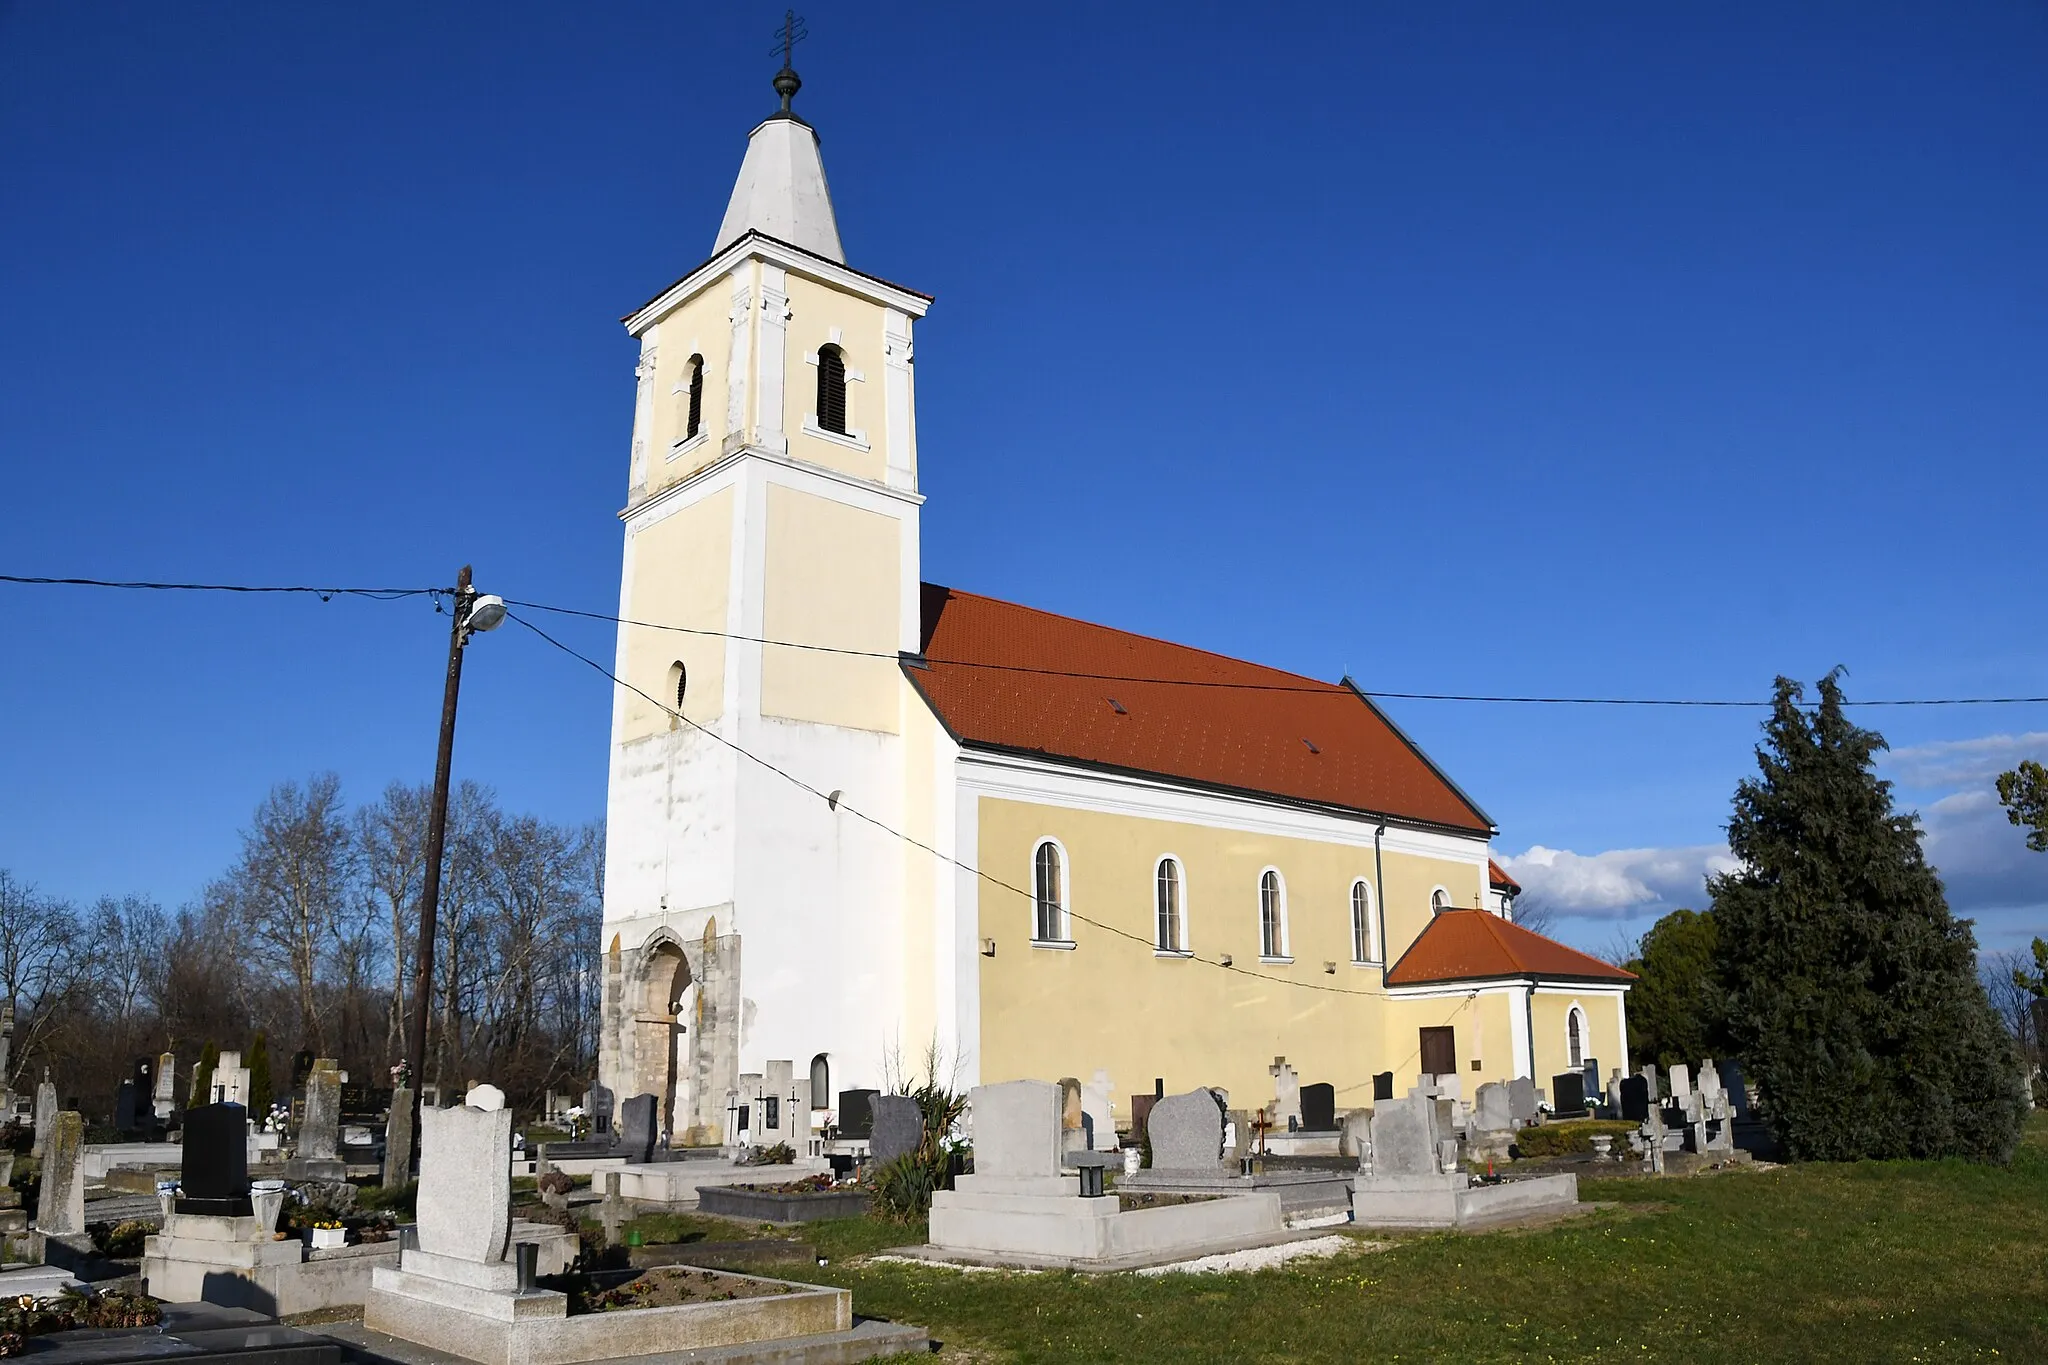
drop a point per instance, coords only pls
(853, 814)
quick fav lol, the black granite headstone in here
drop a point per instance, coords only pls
(1590, 1085)
(857, 1113)
(213, 1174)
(1383, 1086)
(1318, 1107)
(636, 1127)
(1635, 1098)
(598, 1103)
(1568, 1093)
(124, 1108)
(898, 1128)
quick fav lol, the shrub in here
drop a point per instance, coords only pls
(781, 1154)
(903, 1188)
(1566, 1139)
(122, 1240)
(401, 1200)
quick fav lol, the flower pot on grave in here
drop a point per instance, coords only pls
(329, 1239)
(266, 1201)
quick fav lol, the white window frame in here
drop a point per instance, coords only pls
(1283, 955)
(1448, 904)
(1185, 947)
(1372, 956)
(1576, 1011)
(1065, 903)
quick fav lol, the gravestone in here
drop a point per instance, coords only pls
(124, 1108)
(231, 1080)
(164, 1096)
(857, 1113)
(636, 1128)
(398, 1139)
(60, 1209)
(1383, 1086)
(1521, 1100)
(318, 1154)
(1100, 1111)
(898, 1128)
(1614, 1092)
(1017, 1130)
(1635, 1098)
(1589, 1080)
(1286, 1095)
(213, 1171)
(1070, 1105)
(1568, 1093)
(598, 1107)
(46, 1112)
(302, 1065)
(1493, 1113)
(1404, 1137)
(465, 1198)
(1187, 1132)
(1355, 1137)
(1141, 1112)
(1319, 1107)
(1681, 1081)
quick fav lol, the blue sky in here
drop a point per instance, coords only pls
(1589, 349)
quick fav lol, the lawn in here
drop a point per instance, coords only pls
(1907, 1261)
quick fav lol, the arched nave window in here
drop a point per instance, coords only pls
(1575, 1036)
(1364, 931)
(1169, 896)
(1272, 915)
(1049, 884)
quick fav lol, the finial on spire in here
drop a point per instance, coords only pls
(787, 83)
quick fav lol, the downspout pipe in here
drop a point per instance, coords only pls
(1379, 901)
(1529, 1023)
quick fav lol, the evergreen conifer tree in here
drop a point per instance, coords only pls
(259, 1079)
(1853, 992)
(202, 1079)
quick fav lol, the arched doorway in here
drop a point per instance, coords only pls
(668, 992)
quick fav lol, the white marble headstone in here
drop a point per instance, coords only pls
(465, 1198)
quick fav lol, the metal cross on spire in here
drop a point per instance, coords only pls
(792, 32)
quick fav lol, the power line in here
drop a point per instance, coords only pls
(1319, 689)
(378, 594)
(1315, 689)
(911, 839)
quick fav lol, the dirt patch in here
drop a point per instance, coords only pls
(674, 1286)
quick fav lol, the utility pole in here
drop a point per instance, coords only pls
(471, 614)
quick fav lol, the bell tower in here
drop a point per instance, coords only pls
(769, 584)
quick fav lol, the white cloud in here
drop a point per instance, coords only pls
(1621, 883)
(1961, 762)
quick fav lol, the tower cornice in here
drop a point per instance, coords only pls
(760, 246)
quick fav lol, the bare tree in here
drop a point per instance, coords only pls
(291, 883)
(42, 963)
(2004, 975)
(391, 839)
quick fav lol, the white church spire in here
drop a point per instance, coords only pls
(781, 190)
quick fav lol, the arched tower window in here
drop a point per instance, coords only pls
(695, 420)
(821, 1082)
(1575, 1036)
(1272, 915)
(1439, 901)
(832, 389)
(1050, 893)
(1168, 896)
(1364, 935)
(678, 682)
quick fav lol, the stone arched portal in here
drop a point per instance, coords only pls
(671, 1012)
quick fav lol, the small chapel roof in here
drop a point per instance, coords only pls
(1013, 678)
(1478, 945)
(1498, 878)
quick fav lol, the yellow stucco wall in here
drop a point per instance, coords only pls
(1603, 1033)
(1112, 1002)
(815, 309)
(833, 577)
(1483, 1026)
(681, 568)
(701, 325)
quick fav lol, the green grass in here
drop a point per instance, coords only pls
(1892, 1261)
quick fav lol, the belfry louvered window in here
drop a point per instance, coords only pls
(695, 423)
(832, 389)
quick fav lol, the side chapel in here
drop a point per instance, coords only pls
(864, 813)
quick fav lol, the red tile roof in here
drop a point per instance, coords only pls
(1497, 876)
(1476, 945)
(1000, 677)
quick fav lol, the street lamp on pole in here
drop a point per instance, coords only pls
(473, 613)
